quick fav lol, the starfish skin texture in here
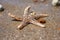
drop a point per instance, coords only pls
(29, 17)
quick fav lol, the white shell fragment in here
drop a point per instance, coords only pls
(55, 2)
(1, 8)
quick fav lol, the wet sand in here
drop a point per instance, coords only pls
(8, 27)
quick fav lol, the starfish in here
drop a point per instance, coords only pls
(29, 17)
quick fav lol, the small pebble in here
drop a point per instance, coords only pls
(1, 8)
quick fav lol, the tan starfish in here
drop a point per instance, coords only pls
(29, 17)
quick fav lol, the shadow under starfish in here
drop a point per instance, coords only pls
(29, 17)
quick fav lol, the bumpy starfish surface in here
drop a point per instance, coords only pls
(29, 17)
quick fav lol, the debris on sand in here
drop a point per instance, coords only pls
(1, 8)
(56, 2)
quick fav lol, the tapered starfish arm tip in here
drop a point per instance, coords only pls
(27, 9)
(11, 15)
(42, 25)
(22, 25)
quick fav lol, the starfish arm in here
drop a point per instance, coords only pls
(40, 15)
(35, 15)
(26, 11)
(33, 21)
(22, 25)
(15, 17)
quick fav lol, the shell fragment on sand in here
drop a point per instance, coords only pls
(56, 2)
